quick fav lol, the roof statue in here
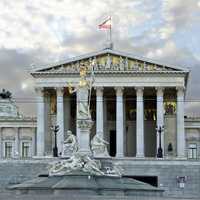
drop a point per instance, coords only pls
(8, 108)
(5, 94)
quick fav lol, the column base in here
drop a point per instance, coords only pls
(43, 157)
(140, 156)
(181, 158)
(119, 155)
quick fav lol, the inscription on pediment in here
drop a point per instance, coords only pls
(109, 63)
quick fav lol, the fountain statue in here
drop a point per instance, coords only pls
(70, 145)
(99, 146)
(81, 159)
(83, 120)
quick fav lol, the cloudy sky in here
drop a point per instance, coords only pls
(43, 31)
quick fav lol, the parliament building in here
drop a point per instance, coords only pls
(137, 106)
(131, 99)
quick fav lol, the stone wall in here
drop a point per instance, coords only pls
(16, 171)
(167, 172)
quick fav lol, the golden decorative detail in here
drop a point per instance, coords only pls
(170, 107)
(115, 59)
(53, 104)
(70, 88)
(102, 60)
(83, 71)
(83, 82)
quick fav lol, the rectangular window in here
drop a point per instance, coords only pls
(25, 149)
(192, 151)
(8, 149)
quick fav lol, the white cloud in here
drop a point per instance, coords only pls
(46, 24)
(166, 31)
(169, 48)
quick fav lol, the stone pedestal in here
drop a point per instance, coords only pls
(84, 126)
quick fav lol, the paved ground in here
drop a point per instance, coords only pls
(8, 196)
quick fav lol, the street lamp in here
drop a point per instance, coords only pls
(159, 130)
(55, 129)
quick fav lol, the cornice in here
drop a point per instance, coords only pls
(18, 119)
(109, 73)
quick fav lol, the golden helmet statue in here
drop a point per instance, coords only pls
(83, 70)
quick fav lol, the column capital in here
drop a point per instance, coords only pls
(99, 91)
(160, 91)
(119, 91)
(59, 91)
(160, 88)
(139, 90)
(39, 91)
(180, 89)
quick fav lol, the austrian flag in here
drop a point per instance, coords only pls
(106, 24)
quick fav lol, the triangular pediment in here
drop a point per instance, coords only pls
(108, 61)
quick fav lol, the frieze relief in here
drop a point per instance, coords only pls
(109, 63)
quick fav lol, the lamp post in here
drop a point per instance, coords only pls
(55, 129)
(159, 130)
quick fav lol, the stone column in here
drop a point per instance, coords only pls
(33, 142)
(17, 150)
(160, 116)
(180, 123)
(119, 122)
(1, 144)
(139, 122)
(77, 128)
(60, 119)
(67, 114)
(40, 122)
(99, 112)
(105, 126)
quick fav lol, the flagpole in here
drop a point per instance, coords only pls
(107, 25)
(110, 31)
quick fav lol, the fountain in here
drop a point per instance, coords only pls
(78, 171)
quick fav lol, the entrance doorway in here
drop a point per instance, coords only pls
(152, 180)
(112, 143)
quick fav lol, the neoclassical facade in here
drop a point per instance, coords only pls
(17, 132)
(130, 98)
